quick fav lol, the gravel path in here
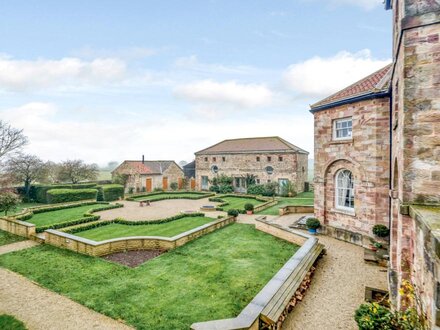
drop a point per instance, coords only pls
(42, 309)
(17, 246)
(338, 288)
(157, 210)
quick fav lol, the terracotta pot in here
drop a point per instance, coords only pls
(249, 212)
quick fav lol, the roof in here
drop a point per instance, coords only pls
(374, 85)
(145, 167)
(251, 145)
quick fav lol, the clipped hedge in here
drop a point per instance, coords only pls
(110, 192)
(38, 193)
(132, 223)
(70, 195)
(197, 195)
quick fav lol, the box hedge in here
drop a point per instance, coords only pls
(110, 192)
(70, 195)
(38, 192)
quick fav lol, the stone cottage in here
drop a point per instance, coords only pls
(269, 159)
(147, 175)
(377, 157)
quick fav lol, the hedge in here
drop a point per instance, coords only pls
(70, 195)
(197, 196)
(132, 223)
(38, 193)
(110, 192)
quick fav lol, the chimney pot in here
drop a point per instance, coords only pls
(143, 159)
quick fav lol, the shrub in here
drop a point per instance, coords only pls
(38, 193)
(233, 213)
(158, 189)
(130, 190)
(111, 192)
(70, 195)
(174, 186)
(225, 189)
(313, 223)
(381, 230)
(270, 189)
(249, 207)
(373, 316)
(256, 189)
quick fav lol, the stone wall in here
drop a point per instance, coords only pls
(173, 173)
(292, 167)
(89, 247)
(17, 227)
(366, 155)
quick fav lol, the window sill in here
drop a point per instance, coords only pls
(345, 212)
(342, 141)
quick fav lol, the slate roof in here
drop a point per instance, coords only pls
(252, 145)
(376, 83)
(146, 167)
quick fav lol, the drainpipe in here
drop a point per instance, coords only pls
(390, 179)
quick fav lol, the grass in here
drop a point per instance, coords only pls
(168, 229)
(238, 203)
(167, 195)
(60, 216)
(104, 175)
(213, 277)
(299, 200)
(8, 238)
(8, 322)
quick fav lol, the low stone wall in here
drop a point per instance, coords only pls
(270, 303)
(349, 236)
(93, 248)
(296, 209)
(17, 227)
(265, 205)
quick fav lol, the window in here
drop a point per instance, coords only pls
(268, 181)
(280, 158)
(257, 181)
(223, 159)
(206, 159)
(269, 170)
(214, 159)
(344, 190)
(342, 129)
(269, 159)
(214, 169)
(258, 158)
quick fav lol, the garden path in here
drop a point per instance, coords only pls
(17, 246)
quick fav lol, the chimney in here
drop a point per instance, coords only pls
(143, 159)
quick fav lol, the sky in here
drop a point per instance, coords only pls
(113, 80)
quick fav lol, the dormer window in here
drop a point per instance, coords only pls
(343, 129)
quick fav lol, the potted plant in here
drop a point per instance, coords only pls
(312, 224)
(233, 213)
(381, 231)
(374, 246)
(249, 208)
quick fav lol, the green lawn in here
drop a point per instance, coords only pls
(168, 229)
(301, 199)
(8, 238)
(8, 322)
(167, 195)
(213, 277)
(238, 203)
(60, 216)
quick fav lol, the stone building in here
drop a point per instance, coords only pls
(269, 159)
(147, 175)
(387, 170)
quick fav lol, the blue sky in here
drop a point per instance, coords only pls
(112, 80)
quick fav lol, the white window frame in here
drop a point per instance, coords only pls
(344, 190)
(342, 120)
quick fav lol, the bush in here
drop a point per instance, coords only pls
(270, 189)
(313, 223)
(38, 193)
(381, 230)
(70, 195)
(158, 189)
(130, 190)
(174, 186)
(110, 192)
(256, 189)
(249, 207)
(233, 213)
(225, 189)
(215, 189)
(373, 316)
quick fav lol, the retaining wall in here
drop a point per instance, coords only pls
(17, 227)
(296, 209)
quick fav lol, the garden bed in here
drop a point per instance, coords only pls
(213, 277)
(133, 258)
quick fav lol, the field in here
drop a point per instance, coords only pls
(238, 203)
(60, 216)
(301, 199)
(213, 277)
(168, 229)
(8, 238)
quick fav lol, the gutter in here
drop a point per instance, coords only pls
(369, 96)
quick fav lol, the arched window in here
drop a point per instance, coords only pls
(344, 190)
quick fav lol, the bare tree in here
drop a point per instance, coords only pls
(26, 169)
(76, 170)
(11, 139)
(52, 169)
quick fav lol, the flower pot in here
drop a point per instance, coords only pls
(249, 212)
(312, 231)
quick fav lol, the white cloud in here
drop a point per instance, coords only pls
(231, 92)
(24, 75)
(320, 76)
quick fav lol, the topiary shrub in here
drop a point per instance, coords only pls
(249, 207)
(233, 213)
(313, 223)
(70, 195)
(381, 230)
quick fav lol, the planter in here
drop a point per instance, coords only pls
(249, 212)
(312, 231)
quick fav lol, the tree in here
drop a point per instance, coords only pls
(26, 169)
(11, 139)
(120, 179)
(76, 170)
(8, 201)
(52, 170)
